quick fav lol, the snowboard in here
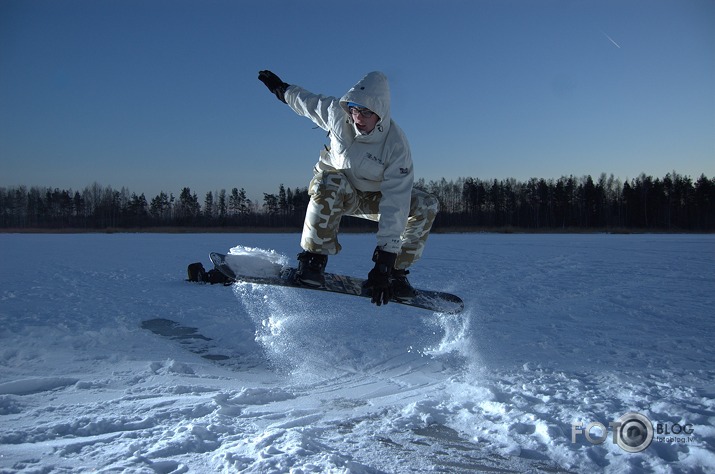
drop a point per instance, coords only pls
(436, 301)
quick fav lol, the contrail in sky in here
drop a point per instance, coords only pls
(611, 40)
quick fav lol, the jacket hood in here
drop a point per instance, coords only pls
(373, 92)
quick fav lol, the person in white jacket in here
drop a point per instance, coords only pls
(365, 172)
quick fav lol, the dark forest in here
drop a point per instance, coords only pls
(674, 203)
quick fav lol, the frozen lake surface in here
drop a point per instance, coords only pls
(110, 361)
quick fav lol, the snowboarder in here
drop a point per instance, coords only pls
(365, 172)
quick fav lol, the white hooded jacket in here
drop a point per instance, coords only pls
(378, 161)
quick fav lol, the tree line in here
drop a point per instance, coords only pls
(674, 203)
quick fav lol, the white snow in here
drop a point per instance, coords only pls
(257, 262)
(558, 330)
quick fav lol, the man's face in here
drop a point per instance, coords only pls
(365, 119)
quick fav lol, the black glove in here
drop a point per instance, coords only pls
(378, 280)
(274, 84)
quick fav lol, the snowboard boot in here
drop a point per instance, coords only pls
(311, 269)
(401, 288)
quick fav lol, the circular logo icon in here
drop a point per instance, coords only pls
(635, 432)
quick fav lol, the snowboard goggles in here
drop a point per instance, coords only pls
(355, 109)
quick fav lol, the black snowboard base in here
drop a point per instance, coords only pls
(436, 301)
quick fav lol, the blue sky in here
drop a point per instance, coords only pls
(157, 95)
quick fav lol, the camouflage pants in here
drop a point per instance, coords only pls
(332, 196)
